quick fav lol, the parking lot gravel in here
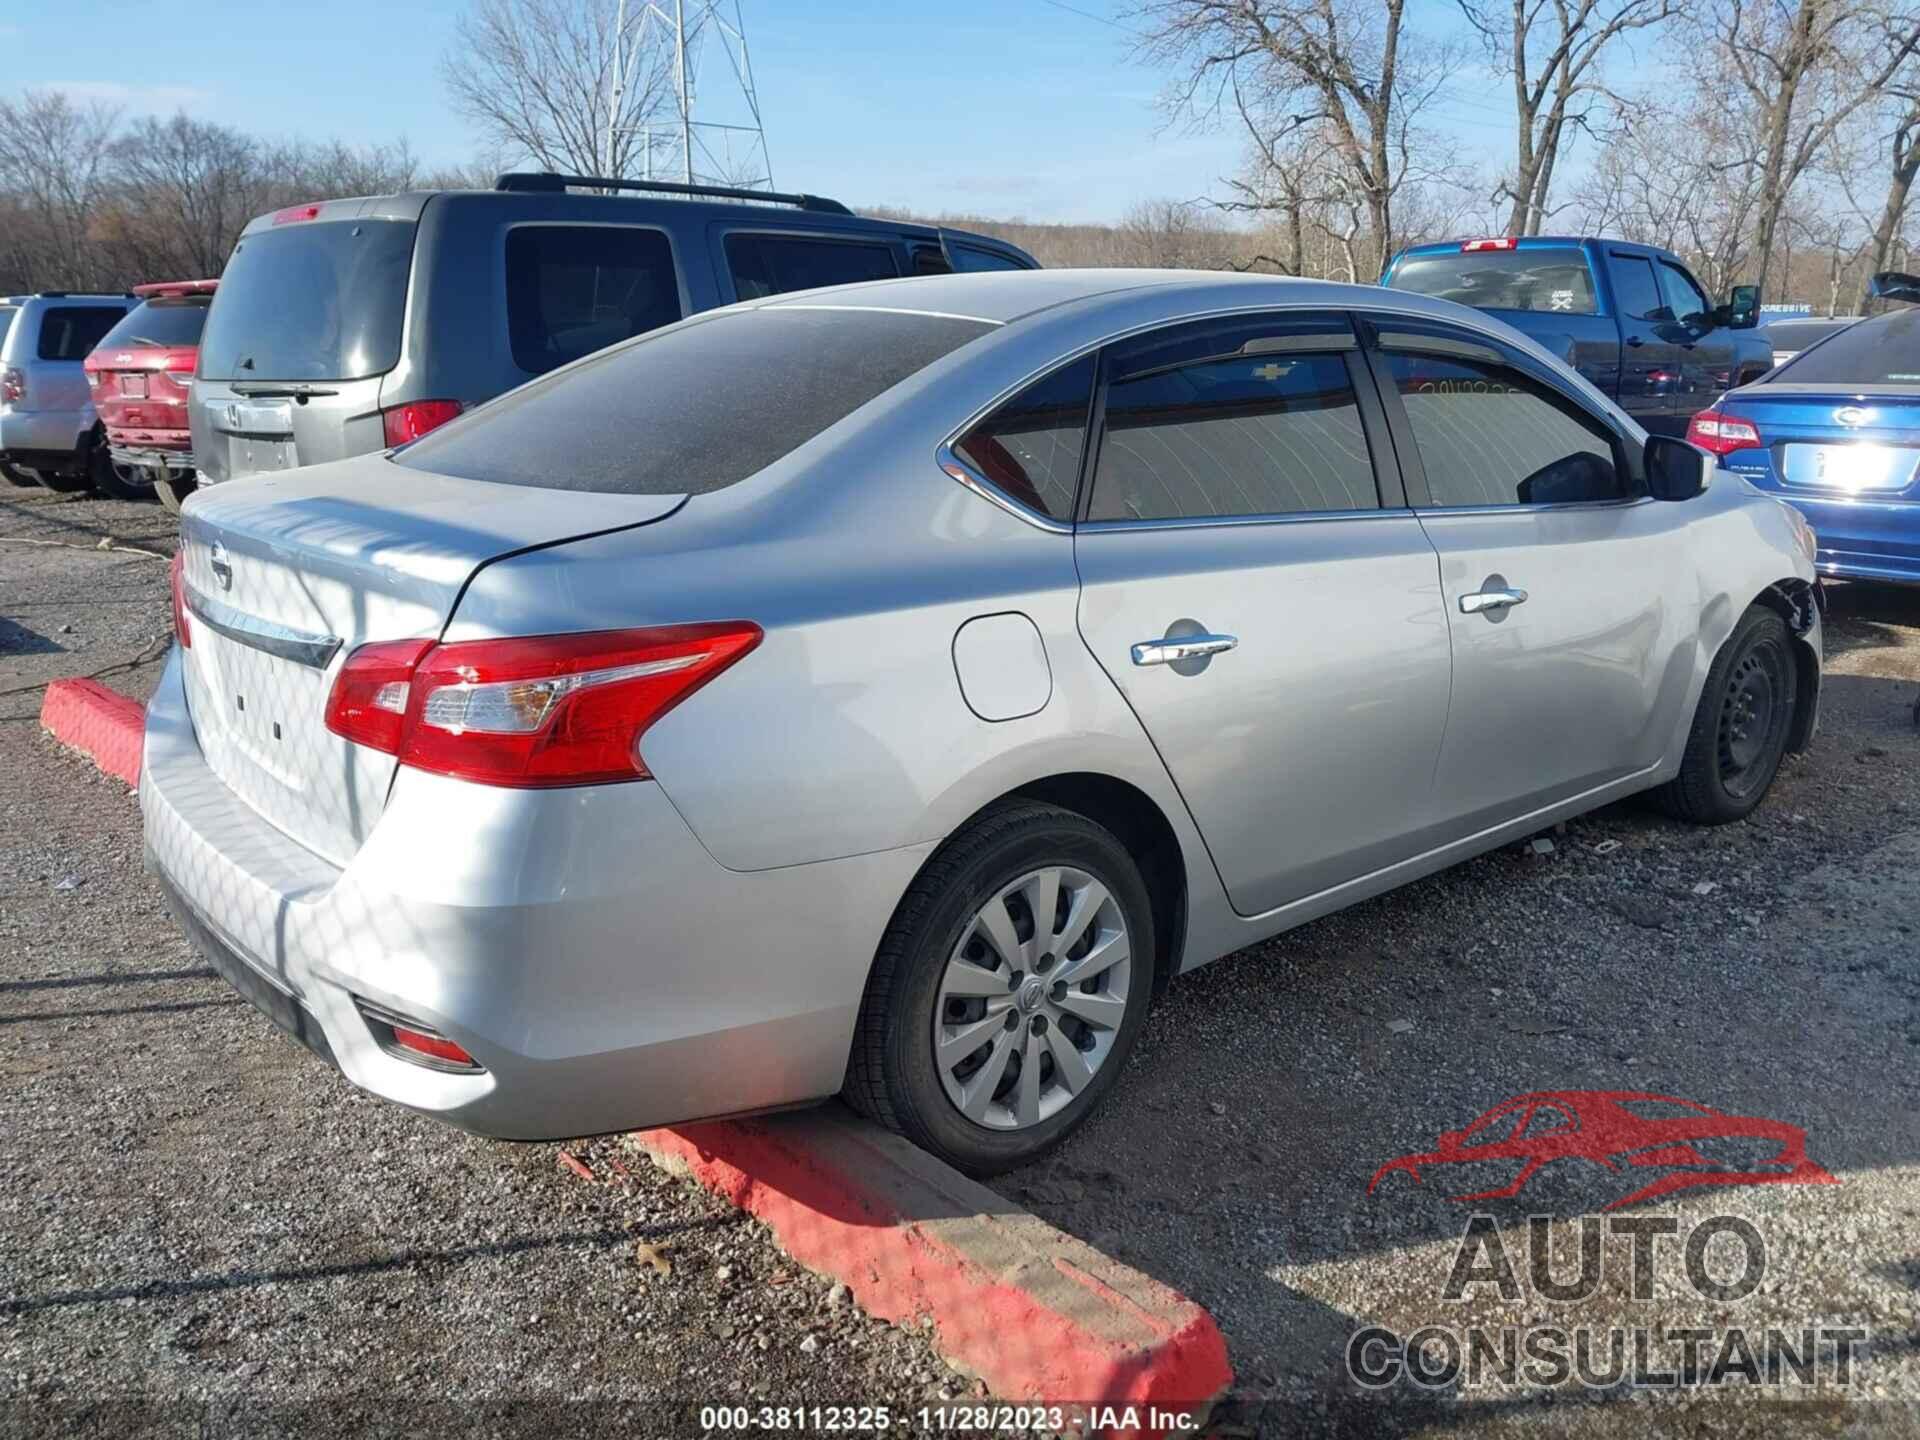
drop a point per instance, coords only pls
(202, 1219)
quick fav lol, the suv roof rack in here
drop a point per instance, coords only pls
(545, 181)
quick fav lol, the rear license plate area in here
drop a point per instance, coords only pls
(1854, 467)
(134, 386)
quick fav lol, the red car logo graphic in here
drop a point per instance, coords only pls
(1620, 1130)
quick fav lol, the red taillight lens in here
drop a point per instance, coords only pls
(416, 418)
(13, 385)
(1722, 434)
(436, 1046)
(179, 581)
(1501, 242)
(529, 713)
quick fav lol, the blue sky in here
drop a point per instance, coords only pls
(998, 107)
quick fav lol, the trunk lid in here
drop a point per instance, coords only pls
(287, 575)
(140, 389)
(1820, 442)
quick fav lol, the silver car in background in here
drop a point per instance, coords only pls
(885, 690)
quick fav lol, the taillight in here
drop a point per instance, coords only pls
(179, 582)
(13, 385)
(416, 418)
(1722, 434)
(1499, 242)
(529, 713)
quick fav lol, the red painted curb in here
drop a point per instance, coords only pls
(1037, 1314)
(103, 724)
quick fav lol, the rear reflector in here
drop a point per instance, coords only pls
(407, 1039)
(178, 577)
(416, 418)
(1722, 434)
(548, 710)
(1502, 242)
(436, 1046)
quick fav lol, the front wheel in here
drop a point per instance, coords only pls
(1008, 990)
(1740, 730)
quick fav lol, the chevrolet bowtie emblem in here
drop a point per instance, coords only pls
(1271, 371)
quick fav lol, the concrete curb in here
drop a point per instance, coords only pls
(1037, 1314)
(102, 724)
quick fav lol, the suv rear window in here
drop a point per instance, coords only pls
(765, 264)
(69, 332)
(692, 409)
(311, 302)
(161, 322)
(1881, 351)
(575, 289)
(1539, 279)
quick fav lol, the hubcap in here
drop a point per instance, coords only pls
(1032, 998)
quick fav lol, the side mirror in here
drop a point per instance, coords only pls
(1675, 469)
(1743, 307)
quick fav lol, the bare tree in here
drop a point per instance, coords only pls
(182, 191)
(53, 160)
(537, 77)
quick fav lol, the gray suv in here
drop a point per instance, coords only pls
(348, 326)
(48, 431)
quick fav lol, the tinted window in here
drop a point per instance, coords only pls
(311, 302)
(1683, 297)
(1635, 289)
(691, 409)
(1030, 446)
(775, 264)
(1261, 434)
(575, 289)
(1538, 279)
(1800, 334)
(965, 258)
(160, 322)
(69, 332)
(1487, 435)
(1881, 351)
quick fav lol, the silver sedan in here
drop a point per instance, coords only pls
(885, 691)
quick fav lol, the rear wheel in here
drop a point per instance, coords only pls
(1740, 730)
(13, 475)
(66, 484)
(117, 479)
(1008, 990)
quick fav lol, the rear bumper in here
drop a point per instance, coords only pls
(581, 945)
(1864, 540)
(158, 450)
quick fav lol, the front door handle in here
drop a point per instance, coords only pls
(1501, 599)
(1186, 647)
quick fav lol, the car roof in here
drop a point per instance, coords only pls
(66, 295)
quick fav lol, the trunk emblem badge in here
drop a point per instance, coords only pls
(1852, 415)
(222, 566)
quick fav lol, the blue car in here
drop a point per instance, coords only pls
(1835, 431)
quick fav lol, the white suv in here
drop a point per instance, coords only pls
(48, 430)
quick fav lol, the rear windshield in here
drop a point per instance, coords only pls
(160, 322)
(311, 302)
(1800, 334)
(1543, 279)
(694, 409)
(1881, 351)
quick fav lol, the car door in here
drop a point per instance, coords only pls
(1571, 599)
(1706, 347)
(1254, 584)
(1651, 360)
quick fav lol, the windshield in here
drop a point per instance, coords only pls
(311, 302)
(692, 409)
(1541, 279)
(160, 322)
(1881, 351)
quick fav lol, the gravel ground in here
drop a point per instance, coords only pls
(206, 1218)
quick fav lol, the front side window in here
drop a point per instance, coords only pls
(1488, 435)
(1683, 297)
(1030, 446)
(575, 289)
(765, 264)
(1262, 433)
(69, 332)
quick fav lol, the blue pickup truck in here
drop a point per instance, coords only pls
(1628, 317)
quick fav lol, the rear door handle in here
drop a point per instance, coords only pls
(1187, 647)
(1481, 601)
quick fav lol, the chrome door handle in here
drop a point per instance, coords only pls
(1187, 647)
(1482, 600)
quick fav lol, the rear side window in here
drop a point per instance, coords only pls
(311, 301)
(1555, 278)
(1881, 351)
(692, 409)
(69, 332)
(160, 323)
(1030, 446)
(1635, 289)
(1258, 434)
(767, 264)
(966, 258)
(575, 289)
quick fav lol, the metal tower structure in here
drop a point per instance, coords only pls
(731, 150)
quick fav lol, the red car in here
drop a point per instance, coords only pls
(139, 375)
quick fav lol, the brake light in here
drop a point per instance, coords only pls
(1722, 434)
(13, 385)
(178, 580)
(416, 418)
(1499, 242)
(529, 713)
(294, 214)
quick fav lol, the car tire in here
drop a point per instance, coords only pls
(173, 491)
(115, 480)
(1740, 729)
(25, 479)
(940, 930)
(67, 484)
